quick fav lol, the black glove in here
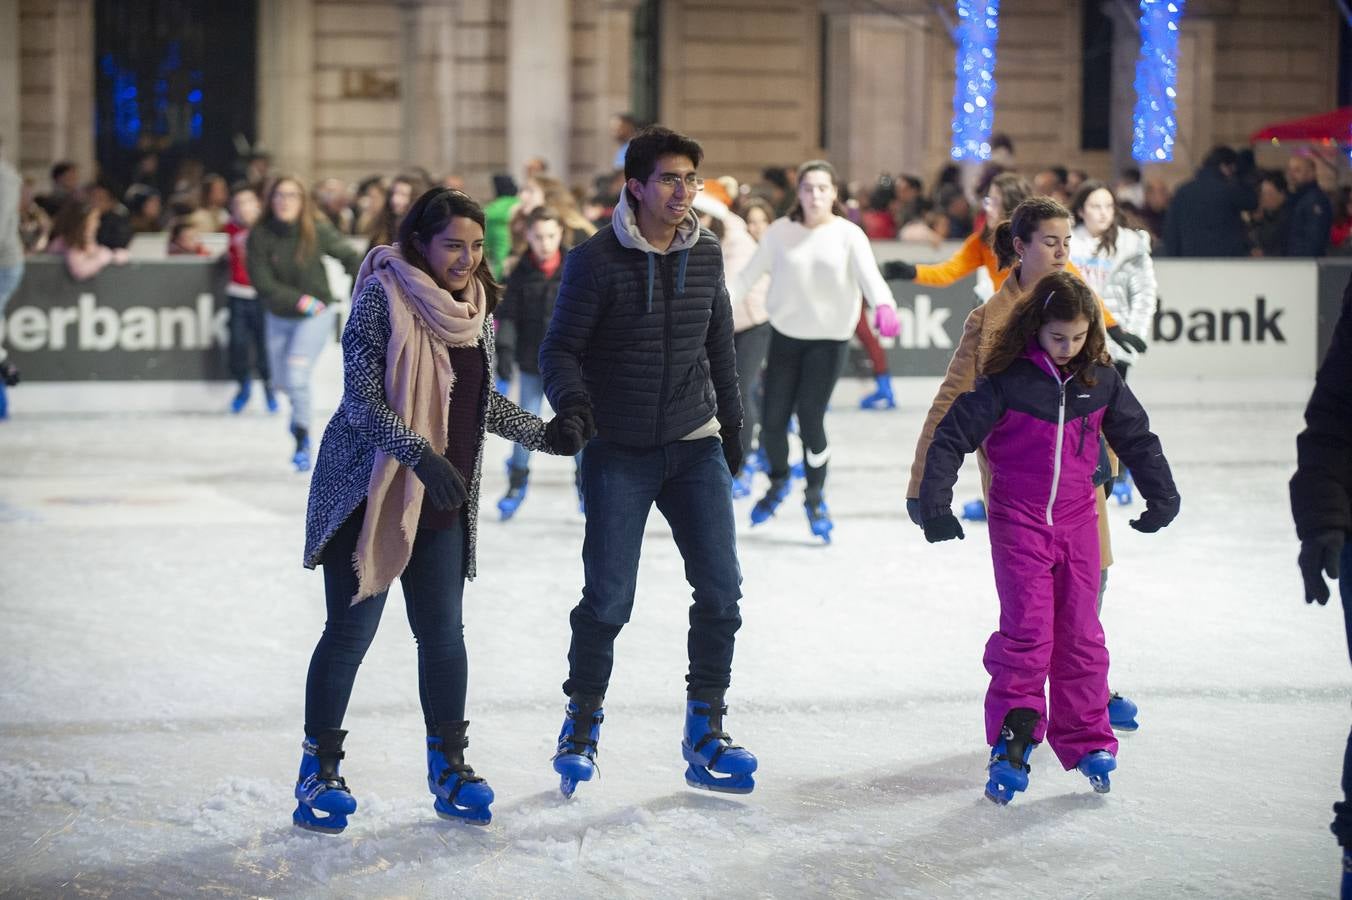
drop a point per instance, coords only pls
(1126, 339)
(898, 270)
(582, 411)
(913, 511)
(1156, 516)
(1319, 557)
(9, 373)
(732, 448)
(445, 487)
(565, 434)
(943, 528)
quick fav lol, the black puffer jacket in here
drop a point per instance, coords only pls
(1321, 491)
(523, 315)
(645, 337)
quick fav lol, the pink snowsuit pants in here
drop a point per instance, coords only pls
(1047, 577)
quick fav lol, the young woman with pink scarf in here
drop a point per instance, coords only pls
(396, 488)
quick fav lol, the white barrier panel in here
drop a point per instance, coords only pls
(1234, 317)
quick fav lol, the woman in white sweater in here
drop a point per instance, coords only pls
(819, 263)
(1115, 262)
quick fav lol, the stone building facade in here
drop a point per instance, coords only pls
(351, 87)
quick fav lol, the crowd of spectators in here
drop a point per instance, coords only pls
(1229, 208)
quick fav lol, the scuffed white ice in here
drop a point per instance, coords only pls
(157, 625)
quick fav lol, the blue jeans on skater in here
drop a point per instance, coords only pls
(532, 393)
(10, 276)
(1342, 810)
(293, 347)
(434, 588)
(689, 483)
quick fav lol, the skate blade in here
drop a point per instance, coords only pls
(304, 818)
(466, 815)
(1100, 784)
(998, 799)
(705, 780)
(567, 786)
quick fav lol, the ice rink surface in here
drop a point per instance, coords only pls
(156, 626)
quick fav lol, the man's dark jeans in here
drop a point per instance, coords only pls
(690, 484)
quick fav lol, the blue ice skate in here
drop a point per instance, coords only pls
(4, 400)
(1096, 766)
(1122, 489)
(241, 398)
(1008, 768)
(575, 759)
(301, 458)
(715, 762)
(1121, 713)
(974, 511)
(461, 795)
(755, 462)
(797, 471)
(270, 398)
(765, 507)
(882, 397)
(819, 519)
(518, 480)
(741, 485)
(319, 787)
(1346, 891)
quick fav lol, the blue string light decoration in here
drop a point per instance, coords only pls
(1155, 120)
(974, 83)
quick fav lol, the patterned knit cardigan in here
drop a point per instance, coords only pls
(364, 421)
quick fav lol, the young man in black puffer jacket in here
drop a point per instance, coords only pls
(642, 336)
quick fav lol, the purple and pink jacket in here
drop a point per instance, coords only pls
(1040, 431)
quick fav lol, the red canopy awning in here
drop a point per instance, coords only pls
(1331, 127)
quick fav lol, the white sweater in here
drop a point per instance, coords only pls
(816, 278)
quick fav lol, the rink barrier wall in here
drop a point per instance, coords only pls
(148, 320)
(166, 320)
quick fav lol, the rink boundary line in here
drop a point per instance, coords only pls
(888, 705)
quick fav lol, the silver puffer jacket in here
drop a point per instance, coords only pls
(1125, 279)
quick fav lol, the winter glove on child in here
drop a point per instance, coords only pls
(445, 488)
(731, 436)
(913, 511)
(1156, 516)
(1126, 339)
(943, 528)
(566, 434)
(897, 270)
(885, 317)
(308, 306)
(1319, 557)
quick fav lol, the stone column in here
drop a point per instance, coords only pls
(9, 80)
(539, 84)
(876, 93)
(1126, 51)
(72, 91)
(286, 65)
(614, 46)
(426, 85)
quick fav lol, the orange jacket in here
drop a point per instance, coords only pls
(972, 255)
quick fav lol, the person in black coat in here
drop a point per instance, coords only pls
(1311, 214)
(522, 317)
(642, 335)
(1321, 503)
(1206, 216)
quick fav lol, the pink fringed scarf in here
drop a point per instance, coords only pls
(425, 319)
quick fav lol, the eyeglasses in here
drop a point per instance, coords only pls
(692, 182)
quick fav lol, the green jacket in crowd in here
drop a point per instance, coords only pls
(280, 279)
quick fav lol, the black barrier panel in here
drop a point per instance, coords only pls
(1334, 273)
(159, 321)
(931, 326)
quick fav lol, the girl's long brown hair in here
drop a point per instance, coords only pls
(308, 243)
(427, 217)
(1014, 189)
(1107, 240)
(1058, 297)
(816, 165)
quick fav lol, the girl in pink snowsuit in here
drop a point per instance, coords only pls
(1047, 390)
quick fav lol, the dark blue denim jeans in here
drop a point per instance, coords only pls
(690, 485)
(434, 587)
(1342, 810)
